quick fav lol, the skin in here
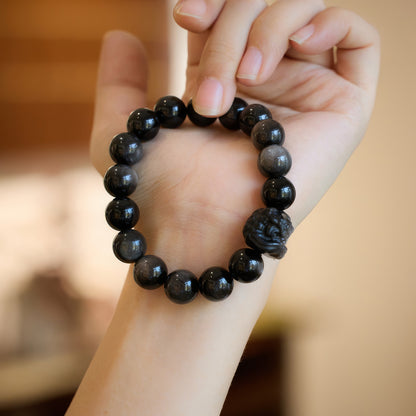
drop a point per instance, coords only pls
(198, 185)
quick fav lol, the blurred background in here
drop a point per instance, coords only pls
(338, 336)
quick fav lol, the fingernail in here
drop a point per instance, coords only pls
(250, 64)
(208, 98)
(191, 8)
(303, 34)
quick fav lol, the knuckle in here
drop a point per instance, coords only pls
(222, 53)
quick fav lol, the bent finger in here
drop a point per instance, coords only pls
(268, 41)
(197, 15)
(221, 55)
(357, 43)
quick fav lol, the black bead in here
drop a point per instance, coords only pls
(129, 246)
(278, 193)
(171, 111)
(125, 148)
(246, 265)
(266, 133)
(122, 214)
(251, 115)
(120, 180)
(143, 123)
(216, 283)
(150, 272)
(181, 286)
(197, 119)
(274, 161)
(267, 231)
(231, 119)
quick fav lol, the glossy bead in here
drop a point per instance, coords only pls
(181, 286)
(266, 133)
(267, 230)
(246, 265)
(125, 148)
(197, 119)
(120, 180)
(278, 193)
(122, 214)
(150, 272)
(129, 246)
(143, 123)
(216, 283)
(171, 111)
(251, 115)
(274, 161)
(231, 119)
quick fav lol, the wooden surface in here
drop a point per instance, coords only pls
(48, 58)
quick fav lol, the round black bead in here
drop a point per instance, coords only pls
(197, 119)
(251, 115)
(181, 286)
(120, 180)
(278, 193)
(171, 111)
(266, 133)
(246, 265)
(122, 214)
(125, 148)
(231, 119)
(143, 123)
(216, 283)
(267, 231)
(150, 272)
(129, 246)
(274, 161)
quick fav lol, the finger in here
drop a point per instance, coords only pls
(357, 42)
(197, 15)
(221, 56)
(268, 40)
(121, 88)
(325, 59)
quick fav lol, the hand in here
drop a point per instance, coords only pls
(197, 185)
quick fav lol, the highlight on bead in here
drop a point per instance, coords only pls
(266, 231)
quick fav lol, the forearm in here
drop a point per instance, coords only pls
(160, 358)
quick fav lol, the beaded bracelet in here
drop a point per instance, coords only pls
(266, 230)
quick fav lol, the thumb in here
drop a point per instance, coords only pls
(121, 88)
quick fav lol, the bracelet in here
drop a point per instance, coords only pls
(266, 230)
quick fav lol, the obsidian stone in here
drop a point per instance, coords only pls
(181, 286)
(197, 119)
(266, 133)
(120, 180)
(143, 123)
(171, 111)
(150, 272)
(246, 265)
(251, 115)
(122, 214)
(129, 246)
(231, 119)
(267, 231)
(274, 161)
(125, 148)
(216, 283)
(278, 193)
